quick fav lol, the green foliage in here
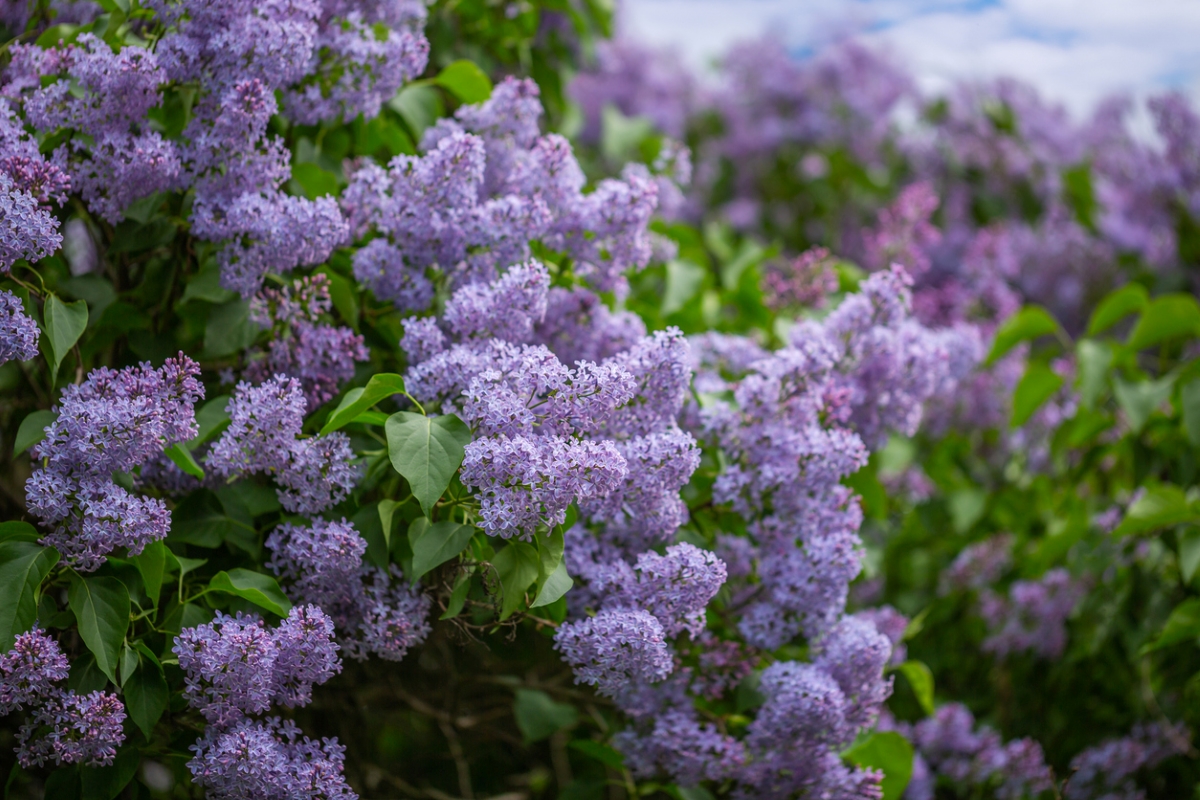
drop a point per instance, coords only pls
(427, 451)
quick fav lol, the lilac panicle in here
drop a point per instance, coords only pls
(114, 421)
(70, 728)
(29, 670)
(614, 649)
(229, 664)
(18, 332)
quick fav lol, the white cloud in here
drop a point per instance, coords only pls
(1074, 51)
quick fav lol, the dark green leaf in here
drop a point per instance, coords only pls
(101, 606)
(1189, 400)
(517, 566)
(63, 784)
(1037, 385)
(1189, 553)
(427, 451)
(556, 584)
(17, 530)
(1094, 361)
(357, 401)
(1140, 400)
(435, 544)
(152, 565)
(23, 567)
(105, 783)
(1182, 625)
(1028, 323)
(64, 323)
(890, 753)
(1166, 317)
(183, 459)
(260, 589)
(466, 81)
(1161, 506)
(206, 285)
(229, 329)
(200, 519)
(601, 752)
(32, 430)
(538, 715)
(314, 181)
(1117, 305)
(458, 597)
(211, 420)
(343, 296)
(419, 106)
(920, 678)
(146, 696)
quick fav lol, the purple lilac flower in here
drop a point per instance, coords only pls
(506, 309)
(264, 436)
(306, 656)
(1033, 616)
(855, 654)
(892, 624)
(112, 422)
(69, 728)
(229, 664)
(27, 229)
(321, 356)
(29, 670)
(374, 611)
(268, 760)
(614, 648)
(1107, 770)
(678, 744)
(805, 280)
(18, 332)
(578, 326)
(905, 234)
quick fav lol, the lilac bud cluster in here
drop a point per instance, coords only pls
(61, 726)
(321, 356)
(1033, 616)
(265, 436)
(374, 610)
(113, 422)
(18, 332)
(487, 185)
(952, 750)
(236, 668)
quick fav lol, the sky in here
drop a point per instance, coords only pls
(1075, 51)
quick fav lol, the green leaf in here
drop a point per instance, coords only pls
(146, 696)
(356, 401)
(466, 81)
(419, 105)
(105, 783)
(1166, 317)
(556, 584)
(1094, 359)
(32, 430)
(206, 285)
(1189, 400)
(387, 517)
(1183, 624)
(538, 715)
(1037, 385)
(314, 181)
(435, 544)
(260, 589)
(101, 607)
(684, 279)
(152, 565)
(343, 296)
(229, 329)
(23, 567)
(201, 519)
(18, 531)
(1028, 323)
(184, 460)
(1162, 506)
(427, 451)
(920, 678)
(64, 323)
(620, 135)
(600, 752)
(211, 420)
(1116, 305)
(889, 752)
(458, 597)
(1140, 400)
(1189, 553)
(517, 565)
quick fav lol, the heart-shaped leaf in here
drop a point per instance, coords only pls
(427, 451)
(262, 590)
(101, 607)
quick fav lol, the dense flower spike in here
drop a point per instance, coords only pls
(29, 670)
(111, 423)
(264, 437)
(1107, 769)
(1033, 616)
(302, 346)
(70, 728)
(374, 610)
(18, 333)
(614, 649)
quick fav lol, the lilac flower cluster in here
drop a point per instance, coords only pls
(1033, 616)
(805, 280)
(951, 749)
(374, 610)
(61, 726)
(978, 565)
(18, 332)
(27, 184)
(235, 668)
(321, 356)
(111, 423)
(264, 436)
(486, 185)
(1108, 769)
